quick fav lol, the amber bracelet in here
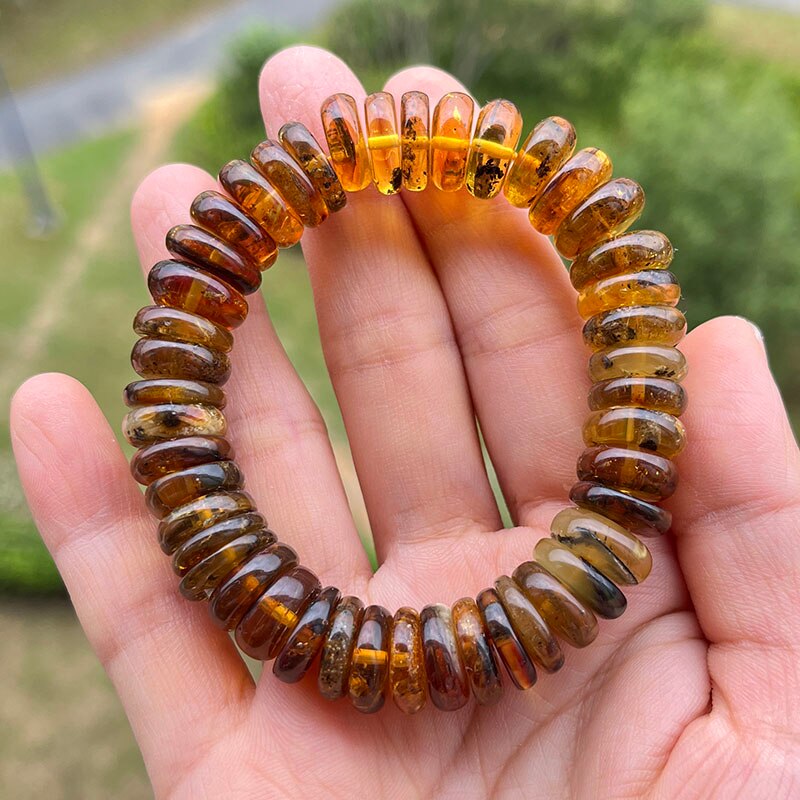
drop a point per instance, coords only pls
(221, 547)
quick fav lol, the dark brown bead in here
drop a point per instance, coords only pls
(448, 685)
(179, 488)
(638, 516)
(155, 358)
(634, 326)
(369, 664)
(644, 475)
(657, 394)
(162, 322)
(407, 662)
(173, 455)
(160, 391)
(334, 665)
(148, 424)
(476, 652)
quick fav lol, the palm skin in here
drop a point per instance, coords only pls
(435, 309)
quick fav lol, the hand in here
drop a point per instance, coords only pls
(434, 308)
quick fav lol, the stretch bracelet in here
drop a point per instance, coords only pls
(221, 546)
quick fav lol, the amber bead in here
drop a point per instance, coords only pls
(307, 638)
(476, 652)
(172, 390)
(369, 663)
(172, 283)
(548, 146)
(261, 201)
(415, 142)
(383, 142)
(346, 145)
(193, 244)
(406, 662)
(334, 664)
(657, 394)
(562, 611)
(222, 217)
(161, 322)
(604, 544)
(518, 664)
(653, 431)
(493, 148)
(635, 325)
(147, 424)
(232, 599)
(300, 144)
(651, 287)
(632, 252)
(582, 579)
(448, 685)
(291, 183)
(162, 358)
(451, 129)
(264, 629)
(645, 475)
(173, 455)
(179, 488)
(638, 516)
(570, 186)
(648, 361)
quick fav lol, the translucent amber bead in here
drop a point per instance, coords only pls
(334, 664)
(571, 185)
(346, 142)
(548, 146)
(300, 144)
(179, 488)
(561, 610)
(406, 662)
(173, 455)
(501, 633)
(651, 287)
(450, 135)
(220, 215)
(369, 663)
(383, 142)
(193, 244)
(415, 140)
(232, 599)
(493, 148)
(604, 544)
(632, 252)
(178, 285)
(306, 639)
(638, 516)
(162, 358)
(653, 431)
(636, 361)
(476, 652)
(160, 322)
(172, 390)
(635, 325)
(447, 680)
(147, 424)
(261, 201)
(582, 579)
(658, 394)
(644, 475)
(291, 183)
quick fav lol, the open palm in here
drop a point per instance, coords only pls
(435, 309)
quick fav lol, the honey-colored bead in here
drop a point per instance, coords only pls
(571, 185)
(562, 611)
(233, 598)
(334, 664)
(261, 201)
(346, 145)
(651, 287)
(148, 424)
(173, 455)
(306, 640)
(369, 663)
(635, 325)
(548, 146)
(383, 142)
(178, 285)
(264, 629)
(493, 148)
(162, 358)
(581, 578)
(415, 142)
(406, 662)
(644, 475)
(222, 217)
(291, 183)
(637, 516)
(640, 428)
(448, 685)
(161, 322)
(172, 390)
(657, 394)
(178, 488)
(483, 671)
(451, 129)
(193, 244)
(300, 144)
(637, 361)
(606, 212)
(604, 544)
(632, 252)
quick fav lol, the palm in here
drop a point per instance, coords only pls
(426, 322)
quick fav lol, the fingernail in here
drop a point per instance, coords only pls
(757, 331)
